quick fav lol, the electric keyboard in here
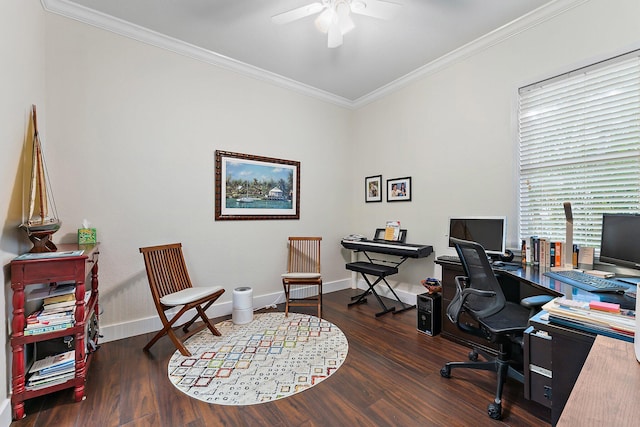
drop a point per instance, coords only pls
(389, 248)
(585, 281)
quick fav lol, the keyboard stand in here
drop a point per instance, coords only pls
(380, 272)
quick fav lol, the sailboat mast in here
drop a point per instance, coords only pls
(32, 185)
(41, 186)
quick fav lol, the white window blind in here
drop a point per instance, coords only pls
(580, 143)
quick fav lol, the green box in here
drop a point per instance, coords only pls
(87, 236)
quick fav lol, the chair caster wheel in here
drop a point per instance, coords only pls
(495, 410)
(445, 372)
(473, 356)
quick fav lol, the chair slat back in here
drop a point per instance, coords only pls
(304, 255)
(166, 269)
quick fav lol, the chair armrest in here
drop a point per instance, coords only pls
(456, 306)
(461, 283)
(535, 301)
(478, 292)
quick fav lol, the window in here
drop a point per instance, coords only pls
(580, 143)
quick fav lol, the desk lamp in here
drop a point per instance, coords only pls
(568, 247)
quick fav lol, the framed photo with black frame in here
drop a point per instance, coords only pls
(399, 189)
(373, 189)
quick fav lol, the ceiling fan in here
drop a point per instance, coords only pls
(335, 19)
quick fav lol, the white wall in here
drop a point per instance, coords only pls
(130, 132)
(21, 84)
(455, 131)
(130, 147)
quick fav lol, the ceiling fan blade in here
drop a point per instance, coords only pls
(298, 13)
(334, 35)
(375, 8)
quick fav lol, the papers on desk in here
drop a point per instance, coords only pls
(581, 315)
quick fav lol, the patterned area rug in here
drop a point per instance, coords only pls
(270, 358)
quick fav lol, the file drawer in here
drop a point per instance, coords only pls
(538, 370)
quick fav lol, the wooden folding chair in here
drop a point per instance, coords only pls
(303, 282)
(171, 287)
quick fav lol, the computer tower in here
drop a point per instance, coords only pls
(429, 313)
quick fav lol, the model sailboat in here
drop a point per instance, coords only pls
(42, 219)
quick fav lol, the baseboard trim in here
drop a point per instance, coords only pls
(406, 296)
(5, 412)
(132, 328)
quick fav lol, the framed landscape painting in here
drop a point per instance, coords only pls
(249, 187)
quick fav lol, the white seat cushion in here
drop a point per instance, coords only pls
(301, 275)
(186, 296)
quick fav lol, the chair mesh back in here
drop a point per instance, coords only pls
(480, 276)
(304, 255)
(166, 269)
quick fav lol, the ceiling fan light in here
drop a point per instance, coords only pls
(324, 19)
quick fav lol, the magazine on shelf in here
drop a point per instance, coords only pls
(59, 298)
(52, 291)
(49, 322)
(57, 313)
(48, 376)
(50, 381)
(44, 255)
(49, 328)
(50, 363)
(64, 304)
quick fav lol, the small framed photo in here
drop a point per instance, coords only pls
(399, 189)
(373, 188)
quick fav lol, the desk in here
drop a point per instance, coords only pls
(608, 388)
(554, 363)
(516, 285)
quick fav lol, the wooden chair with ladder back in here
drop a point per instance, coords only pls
(303, 282)
(171, 287)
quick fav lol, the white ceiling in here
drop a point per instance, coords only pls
(377, 56)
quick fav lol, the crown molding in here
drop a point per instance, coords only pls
(118, 26)
(525, 22)
(124, 28)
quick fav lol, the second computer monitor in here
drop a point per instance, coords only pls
(489, 231)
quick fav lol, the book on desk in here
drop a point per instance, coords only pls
(593, 316)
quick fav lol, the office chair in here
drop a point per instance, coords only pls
(171, 287)
(303, 282)
(479, 295)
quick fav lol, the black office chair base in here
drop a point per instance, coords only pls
(501, 367)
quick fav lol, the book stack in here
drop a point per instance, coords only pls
(51, 370)
(549, 253)
(57, 313)
(593, 316)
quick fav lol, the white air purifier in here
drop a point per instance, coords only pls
(242, 305)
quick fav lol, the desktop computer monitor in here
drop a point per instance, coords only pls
(489, 231)
(619, 243)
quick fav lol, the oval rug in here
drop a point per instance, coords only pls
(270, 358)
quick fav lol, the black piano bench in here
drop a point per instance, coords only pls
(380, 272)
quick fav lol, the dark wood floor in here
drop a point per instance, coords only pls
(391, 377)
